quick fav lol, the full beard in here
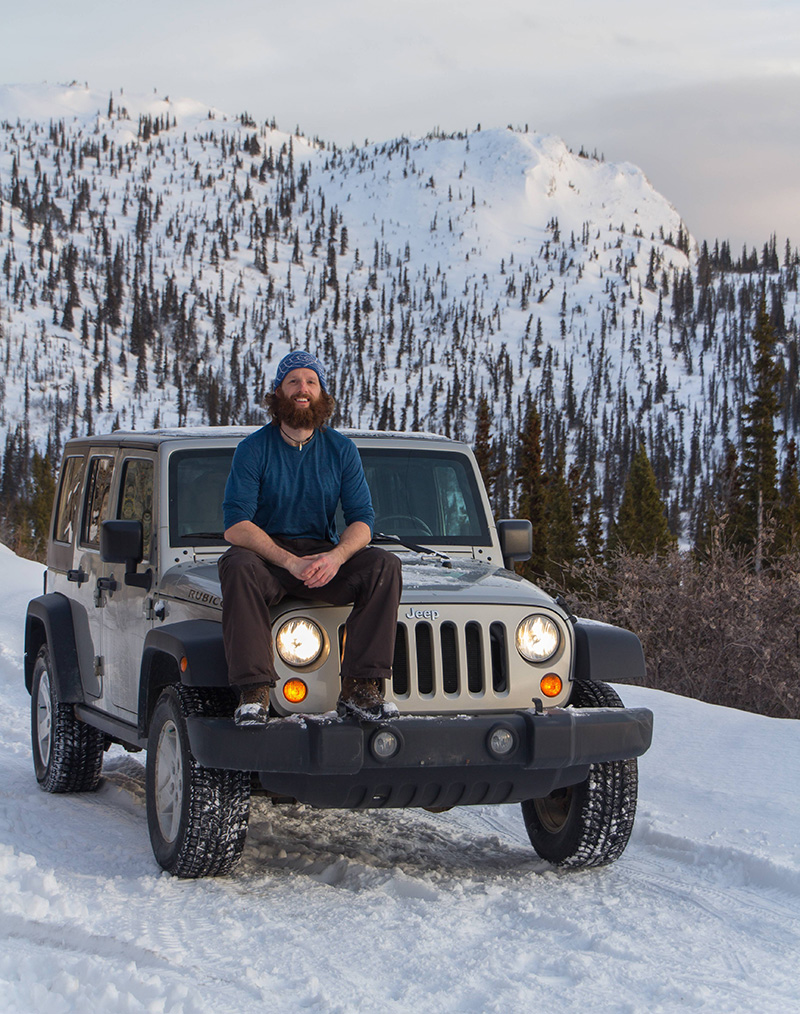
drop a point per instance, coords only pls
(301, 417)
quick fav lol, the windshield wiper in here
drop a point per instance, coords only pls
(381, 537)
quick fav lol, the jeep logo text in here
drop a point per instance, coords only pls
(422, 614)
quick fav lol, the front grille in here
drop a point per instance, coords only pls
(451, 660)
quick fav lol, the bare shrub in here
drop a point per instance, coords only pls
(711, 629)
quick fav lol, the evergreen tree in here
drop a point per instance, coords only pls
(563, 533)
(44, 488)
(788, 531)
(532, 499)
(484, 452)
(759, 438)
(722, 509)
(641, 525)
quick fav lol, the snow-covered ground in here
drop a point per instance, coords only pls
(399, 911)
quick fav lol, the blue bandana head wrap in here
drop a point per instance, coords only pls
(300, 361)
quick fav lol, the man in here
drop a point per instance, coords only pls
(280, 500)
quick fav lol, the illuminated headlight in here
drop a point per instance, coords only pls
(537, 638)
(299, 642)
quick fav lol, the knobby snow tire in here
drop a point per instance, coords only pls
(197, 816)
(588, 824)
(67, 753)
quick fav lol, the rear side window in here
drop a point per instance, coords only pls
(136, 497)
(69, 498)
(98, 489)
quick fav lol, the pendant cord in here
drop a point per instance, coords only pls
(299, 444)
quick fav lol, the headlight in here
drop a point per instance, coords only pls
(299, 642)
(537, 638)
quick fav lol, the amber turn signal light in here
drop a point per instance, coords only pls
(295, 691)
(550, 685)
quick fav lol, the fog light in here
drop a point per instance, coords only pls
(385, 744)
(295, 691)
(502, 741)
(551, 685)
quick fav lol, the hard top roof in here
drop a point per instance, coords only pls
(152, 439)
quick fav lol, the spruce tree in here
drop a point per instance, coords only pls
(788, 531)
(641, 525)
(563, 533)
(532, 498)
(483, 447)
(759, 439)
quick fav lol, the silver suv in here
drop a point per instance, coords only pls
(499, 689)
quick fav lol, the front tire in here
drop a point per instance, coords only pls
(588, 824)
(67, 753)
(197, 816)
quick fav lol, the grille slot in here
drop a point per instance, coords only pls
(424, 638)
(449, 636)
(472, 635)
(400, 664)
(497, 641)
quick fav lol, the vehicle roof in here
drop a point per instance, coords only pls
(152, 439)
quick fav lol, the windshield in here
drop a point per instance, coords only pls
(424, 495)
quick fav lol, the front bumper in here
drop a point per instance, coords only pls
(441, 761)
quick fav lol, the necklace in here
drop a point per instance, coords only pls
(299, 444)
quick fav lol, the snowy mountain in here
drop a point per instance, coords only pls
(158, 258)
(701, 913)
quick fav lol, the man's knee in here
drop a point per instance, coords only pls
(241, 568)
(388, 569)
(238, 562)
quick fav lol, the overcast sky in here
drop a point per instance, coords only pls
(703, 95)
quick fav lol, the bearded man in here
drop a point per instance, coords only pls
(286, 482)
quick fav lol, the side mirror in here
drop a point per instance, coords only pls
(516, 541)
(123, 542)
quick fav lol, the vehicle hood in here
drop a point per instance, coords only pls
(424, 581)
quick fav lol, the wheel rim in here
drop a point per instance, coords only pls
(169, 781)
(553, 810)
(44, 719)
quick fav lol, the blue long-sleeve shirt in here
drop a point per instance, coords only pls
(294, 493)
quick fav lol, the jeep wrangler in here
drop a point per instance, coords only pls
(501, 692)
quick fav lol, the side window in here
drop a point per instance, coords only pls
(69, 496)
(136, 497)
(98, 488)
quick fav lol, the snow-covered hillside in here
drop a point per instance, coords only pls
(158, 257)
(398, 911)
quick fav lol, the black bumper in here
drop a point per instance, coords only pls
(440, 761)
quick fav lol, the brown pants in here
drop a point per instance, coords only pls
(371, 579)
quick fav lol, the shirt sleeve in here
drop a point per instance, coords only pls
(356, 499)
(243, 486)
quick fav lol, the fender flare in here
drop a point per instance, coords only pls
(199, 642)
(608, 654)
(49, 620)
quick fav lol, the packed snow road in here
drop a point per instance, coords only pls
(395, 911)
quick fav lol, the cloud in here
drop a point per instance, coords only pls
(724, 153)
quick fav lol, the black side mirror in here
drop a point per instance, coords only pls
(123, 542)
(516, 541)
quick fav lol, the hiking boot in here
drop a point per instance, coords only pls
(253, 704)
(363, 698)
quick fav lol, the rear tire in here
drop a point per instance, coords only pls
(67, 753)
(197, 816)
(588, 824)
